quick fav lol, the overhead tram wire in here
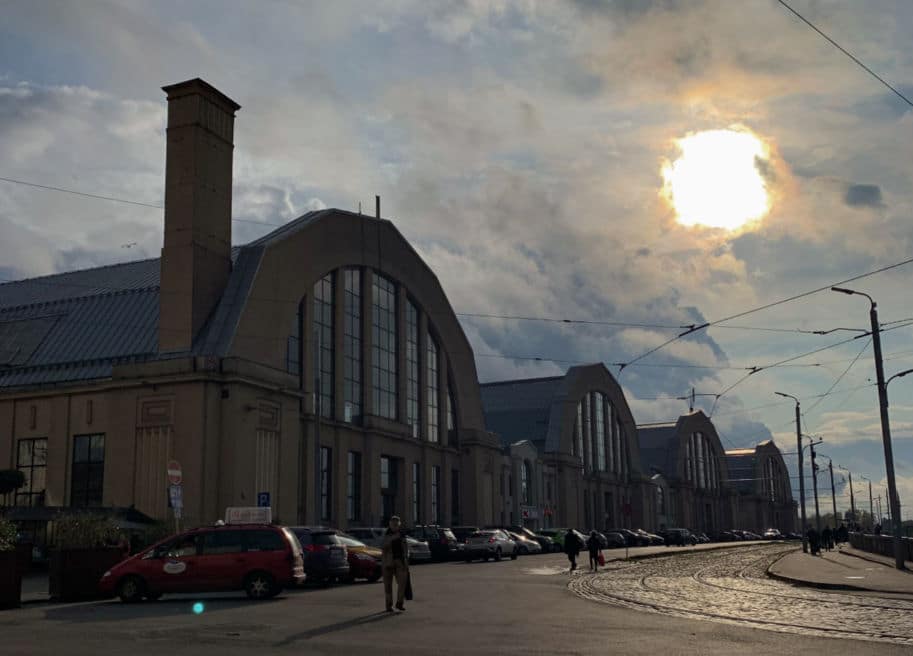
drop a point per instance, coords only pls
(696, 327)
(840, 377)
(847, 53)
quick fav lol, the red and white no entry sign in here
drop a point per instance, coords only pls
(174, 472)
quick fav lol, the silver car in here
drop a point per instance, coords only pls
(373, 536)
(487, 544)
(525, 545)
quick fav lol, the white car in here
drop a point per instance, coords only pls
(373, 536)
(773, 534)
(491, 543)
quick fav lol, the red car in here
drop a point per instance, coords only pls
(260, 559)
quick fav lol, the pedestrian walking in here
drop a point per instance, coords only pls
(827, 538)
(395, 564)
(842, 534)
(593, 546)
(813, 541)
(572, 546)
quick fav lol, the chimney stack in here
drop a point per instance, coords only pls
(196, 257)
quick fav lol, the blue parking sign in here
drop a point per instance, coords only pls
(263, 500)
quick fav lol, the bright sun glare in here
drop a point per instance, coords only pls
(715, 181)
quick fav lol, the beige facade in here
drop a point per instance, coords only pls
(764, 493)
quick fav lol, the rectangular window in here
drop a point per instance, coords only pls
(435, 494)
(388, 486)
(352, 343)
(323, 342)
(587, 435)
(326, 497)
(578, 432)
(416, 493)
(32, 461)
(217, 543)
(413, 415)
(88, 470)
(451, 416)
(599, 402)
(455, 519)
(432, 391)
(384, 365)
(353, 487)
(293, 347)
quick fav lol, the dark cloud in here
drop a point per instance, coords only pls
(863, 195)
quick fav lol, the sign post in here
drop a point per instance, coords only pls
(263, 500)
(175, 491)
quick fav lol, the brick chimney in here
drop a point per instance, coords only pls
(196, 257)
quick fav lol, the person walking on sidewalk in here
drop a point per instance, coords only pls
(395, 563)
(593, 545)
(572, 546)
(813, 542)
(827, 538)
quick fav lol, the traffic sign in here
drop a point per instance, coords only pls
(175, 476)
(263, 500)
(176, 497)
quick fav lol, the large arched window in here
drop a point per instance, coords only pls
(324, 324)
(599, 418)
(431, 358)
(352, 343)
(384, 332)
(413, 362)
(525, 482)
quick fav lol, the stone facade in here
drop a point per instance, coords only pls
(763, 490)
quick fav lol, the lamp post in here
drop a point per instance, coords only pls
(830, 467)
(811, 445)
(871, 505)
(852, 498)
(893, 499)
(801, 476)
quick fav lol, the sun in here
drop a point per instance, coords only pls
(716, 180)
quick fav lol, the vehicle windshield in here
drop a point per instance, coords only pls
(448, 534)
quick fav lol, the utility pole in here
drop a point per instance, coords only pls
(830, 466)
(815, 484)
(871, 507)
(893, 499)
(852, 497)
(804, 526)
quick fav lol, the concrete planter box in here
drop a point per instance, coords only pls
(10, 580)
(74, 573)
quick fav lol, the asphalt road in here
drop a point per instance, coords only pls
(530, 606)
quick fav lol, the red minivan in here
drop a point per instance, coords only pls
(260, 559)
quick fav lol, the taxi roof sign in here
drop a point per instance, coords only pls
(249, 515)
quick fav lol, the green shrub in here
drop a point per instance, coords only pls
(85, 531)
(7, 535)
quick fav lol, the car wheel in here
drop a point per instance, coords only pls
(468, 559)
(498, 554)
(131, 589)
(524, 551)
(374, 578)
(153, 596)
(260, 585)
(513, 556)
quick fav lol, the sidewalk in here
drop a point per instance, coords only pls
(872, 557)
(840, 571)
(35, 587)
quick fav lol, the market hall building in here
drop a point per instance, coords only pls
(320, 367)
(763, 489)
(571, 452)
(686, 463)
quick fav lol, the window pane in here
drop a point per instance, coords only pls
(384, 371)
(432, 401)
(263, 541)
(412, 370)
(352, 345)
(222, 542)
(324, 342)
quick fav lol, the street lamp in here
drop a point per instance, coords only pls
(894, 500)
(852, 498)
(871, 505)
(811, 444)
(830, 467)
(801, 477)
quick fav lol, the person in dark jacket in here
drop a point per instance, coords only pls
(572, 547)
(814, 544)
(593, 546)
(827, 538)
(395, 564)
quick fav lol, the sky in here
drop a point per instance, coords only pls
(520, 146)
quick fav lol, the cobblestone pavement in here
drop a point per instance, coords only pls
(731, 586)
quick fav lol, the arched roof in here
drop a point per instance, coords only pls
(662, 445)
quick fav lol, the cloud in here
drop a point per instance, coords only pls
(863, 195)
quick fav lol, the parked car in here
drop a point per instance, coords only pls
(260, 559)
(793, 536)
(702, 538)
(525, 545)
(680, 537)
(749, 535)
(731, 536)
(462, 533)
(364, 561)
(772, 534)
(490, 544)
(419, 551)
(326, 557)
(614, 540)
(631, 538)
(552, 535)
(546, 543)
(652, 538)
(442, 542)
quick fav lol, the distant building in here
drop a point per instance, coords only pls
(580, 431)
(763, 490)
(693, 481)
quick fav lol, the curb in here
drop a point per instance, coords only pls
(871, 560)
(846, 587)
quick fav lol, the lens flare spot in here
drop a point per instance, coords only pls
(198, 608)
(718, 179)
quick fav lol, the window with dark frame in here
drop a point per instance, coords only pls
(323, 341)
(326, 459)
(383, 349)
(455, 518)
(352, 344)
(435, 494)
(413, 362)
(88, 471)
(32, 461)
(432, 389)
(416, 493)
(353, 487)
